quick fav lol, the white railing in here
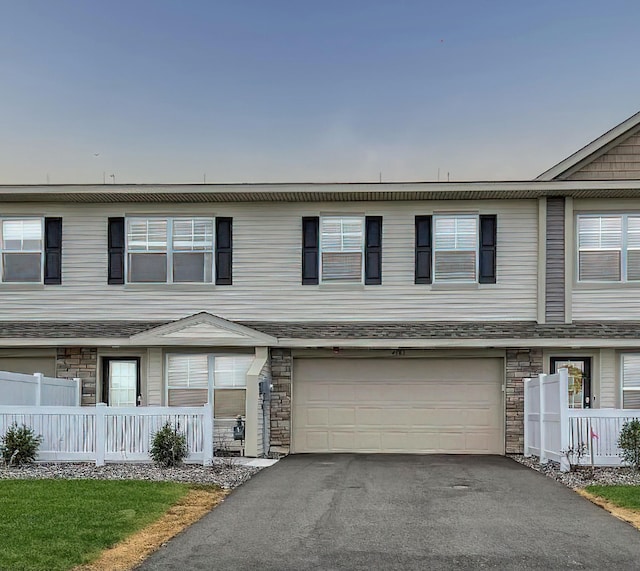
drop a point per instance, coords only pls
(110, 434)
(553, 431)
(38, 390)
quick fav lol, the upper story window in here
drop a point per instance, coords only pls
(342, 248)
(170, 250)
(609, 248)
(22, 247)
(455, 248)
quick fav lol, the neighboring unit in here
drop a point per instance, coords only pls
(365, 317)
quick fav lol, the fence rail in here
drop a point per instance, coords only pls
(37, 390)
(111, 434)
(553, 431)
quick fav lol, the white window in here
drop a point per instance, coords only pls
(191, 378)
(609, 248)
(631, 381)
(341, 248)
(170, 250)
(455, 256)
(21, 245)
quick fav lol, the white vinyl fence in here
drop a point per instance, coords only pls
(111, 434)
(551, 428)
(38, 390)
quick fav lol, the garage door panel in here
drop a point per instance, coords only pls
(407, 405)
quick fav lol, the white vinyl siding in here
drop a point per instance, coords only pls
(169, 250)
(266, 269)
(608, 248)
(455, 240)
(631, 381)
(341, 249)
(190, 378)
(22, 249)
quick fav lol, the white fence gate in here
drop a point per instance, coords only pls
(114, 434)
(552, 429)
(38, 390)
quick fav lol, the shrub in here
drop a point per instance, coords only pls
(629, 443)
(19, 445)
(169, 447)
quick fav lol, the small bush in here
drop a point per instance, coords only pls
(169, 447)
(629, 443)
(19, 445)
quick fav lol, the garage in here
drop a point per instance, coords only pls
(29, 365)
(400, 405)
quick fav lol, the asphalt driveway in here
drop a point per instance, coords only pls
(391, 512)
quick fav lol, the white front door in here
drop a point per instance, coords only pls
(122, 382)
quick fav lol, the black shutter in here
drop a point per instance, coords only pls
(423, 250)
(373, 250)
(53, 251)
(224, 253)
(488, 225)
(116, 251)
(310, 248)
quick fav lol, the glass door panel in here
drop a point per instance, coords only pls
(121, 383)
(579, 379)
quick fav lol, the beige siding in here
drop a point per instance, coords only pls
(621, 162)
(155, 378)
(606, 302)
(608, 381)
(266, 270)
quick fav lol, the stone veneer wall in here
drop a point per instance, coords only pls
(82, 363)
(521, 364)
(281, 362)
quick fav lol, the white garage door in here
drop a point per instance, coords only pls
(29, 365)
(398, 405)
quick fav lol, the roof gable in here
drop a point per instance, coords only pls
(203, 329)
(614, 155)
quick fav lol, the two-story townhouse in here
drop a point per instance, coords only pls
(375, 317)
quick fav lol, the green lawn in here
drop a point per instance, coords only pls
(56, 524)
(622, 496)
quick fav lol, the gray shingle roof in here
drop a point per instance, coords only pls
(342, 330)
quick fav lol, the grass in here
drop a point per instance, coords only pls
(622, 496)
(54, 525)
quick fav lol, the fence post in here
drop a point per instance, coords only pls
(543, 456)
(101, 432)
(527, 430)
(207, 427)
(38, 377)
(78, 391)
(563, 399)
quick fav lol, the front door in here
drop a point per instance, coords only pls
(579, 379)
(121, 381)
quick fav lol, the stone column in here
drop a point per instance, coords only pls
(82, 363)
(521, 364)
(281, 363)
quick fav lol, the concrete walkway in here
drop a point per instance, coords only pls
(388, 512)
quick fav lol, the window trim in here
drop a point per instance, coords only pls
(434, 248)
(211, 357)
(42, 251)
(623, 248)
(321, 280)
(169, 250)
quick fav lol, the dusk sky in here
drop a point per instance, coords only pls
(285, 91)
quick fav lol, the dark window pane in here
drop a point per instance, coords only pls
(229, 403)
(147, 268)
(192, 267)
(21, 267)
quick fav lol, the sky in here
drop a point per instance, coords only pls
(185, 91)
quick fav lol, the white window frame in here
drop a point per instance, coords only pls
(474, 216)
(624, 248)
(622, 387)
(361, 251)
(211, 386)
(41, 251)
(169, 251)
